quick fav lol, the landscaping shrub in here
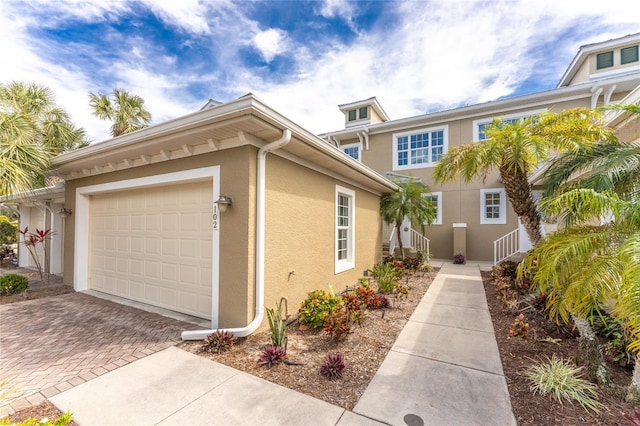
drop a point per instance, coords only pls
(316, 307)
(272, 355)
(332, 366)
(520, 327)
(386, 276)
(277, 326)
(13, 284)
(560, 379)
(63, 420)
(338, 324)
(218, 342)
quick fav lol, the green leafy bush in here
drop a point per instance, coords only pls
(8, 232)
(386, 276)
(63, 420)
(316, 307)
(218, 342)
(13, 284)
(277, 326)
(561, 380)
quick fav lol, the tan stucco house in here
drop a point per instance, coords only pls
(221, 212)
(213, 215)
(474, 218)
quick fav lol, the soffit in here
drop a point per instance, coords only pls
(246, 121)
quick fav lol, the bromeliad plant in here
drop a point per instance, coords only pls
(332, 366)
(218, 342)
(272, 355)
(32, 241)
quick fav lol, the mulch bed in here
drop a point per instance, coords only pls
(517, 354)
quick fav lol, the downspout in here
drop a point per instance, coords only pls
(260, 237)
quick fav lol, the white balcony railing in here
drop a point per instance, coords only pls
(506, 246)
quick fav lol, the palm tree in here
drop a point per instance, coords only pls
(128, 112)
(515, 149)
(409, 201)
(32, 130)
(584, 266)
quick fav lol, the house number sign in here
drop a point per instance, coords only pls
(215, 217)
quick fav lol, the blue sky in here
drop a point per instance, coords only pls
(303, 58)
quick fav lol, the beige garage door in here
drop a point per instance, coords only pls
(154, 245)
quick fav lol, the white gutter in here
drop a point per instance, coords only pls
(260, 233)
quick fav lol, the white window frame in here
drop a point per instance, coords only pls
(502, 220)
(438, 220)
(489, 120)
(342, 265)
(445, 146)
(353, 145)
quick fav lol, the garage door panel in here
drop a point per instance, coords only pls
(155, 245)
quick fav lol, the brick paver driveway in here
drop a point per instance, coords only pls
(51, 344)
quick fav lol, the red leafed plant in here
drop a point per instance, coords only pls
(31, 241)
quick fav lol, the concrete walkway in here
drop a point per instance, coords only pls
(444, 369)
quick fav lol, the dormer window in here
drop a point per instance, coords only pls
(362, 113)
(352, 115)
(629, 55)
(604, 60)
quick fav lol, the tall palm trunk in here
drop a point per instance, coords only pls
(518, 190)
(399, 237)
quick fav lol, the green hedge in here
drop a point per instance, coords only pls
(13, 284)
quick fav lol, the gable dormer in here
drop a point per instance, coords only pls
(359, 113)
(596, 61)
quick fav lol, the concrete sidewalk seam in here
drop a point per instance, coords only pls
(400, 351)
(201, 396)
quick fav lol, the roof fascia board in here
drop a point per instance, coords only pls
(177, 125)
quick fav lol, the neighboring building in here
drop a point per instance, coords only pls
(145, 216)
(600, 74)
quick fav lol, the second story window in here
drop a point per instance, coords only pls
(480, 126)
(352, 150)
(604, 60)
(629, 55)
(362, 113)
(418, 149)
(352, 115)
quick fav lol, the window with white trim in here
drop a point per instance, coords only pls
(479, 126)
(352, 150)
(493, 206)
(436, 198)
(345, 229)
(419, 148)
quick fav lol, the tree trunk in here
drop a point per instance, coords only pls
(633, 392)
(591, 353)
(518, 190)
(399, 236)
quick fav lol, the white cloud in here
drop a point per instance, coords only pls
(432, 55)
(270, 43)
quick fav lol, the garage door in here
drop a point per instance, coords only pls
(154, 245)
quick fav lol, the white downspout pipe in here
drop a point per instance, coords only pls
(260, 234)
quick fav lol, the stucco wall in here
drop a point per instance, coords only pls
(300, 233)
(237, 225)
(461, 200)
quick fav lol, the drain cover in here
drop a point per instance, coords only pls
(413, 420)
